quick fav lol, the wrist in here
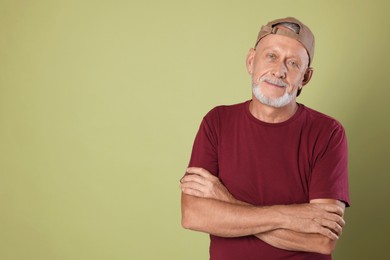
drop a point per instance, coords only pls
(281, 219)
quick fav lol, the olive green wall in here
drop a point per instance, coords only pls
(100, 102)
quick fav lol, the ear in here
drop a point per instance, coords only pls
(307, 76)
(249, 60)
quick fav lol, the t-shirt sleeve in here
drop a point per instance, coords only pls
(329, 178)
(205, 149)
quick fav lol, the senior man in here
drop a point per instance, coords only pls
(267, 178)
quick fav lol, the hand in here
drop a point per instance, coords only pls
(201, 183)
(325, 219)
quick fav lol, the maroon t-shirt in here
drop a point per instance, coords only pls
(260, 163)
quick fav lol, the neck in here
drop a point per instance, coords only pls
(270, 114)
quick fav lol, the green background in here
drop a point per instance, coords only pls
(100, 102)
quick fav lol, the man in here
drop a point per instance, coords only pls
(267, 178)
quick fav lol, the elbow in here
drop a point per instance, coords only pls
(185, 219)
(192, 214)
(328, 247)
(186, 224)
(188, 215)
(190, 218)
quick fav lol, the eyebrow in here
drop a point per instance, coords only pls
(272, 48)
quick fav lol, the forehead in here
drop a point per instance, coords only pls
(283, 44)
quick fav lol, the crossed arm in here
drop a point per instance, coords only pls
(310, 227)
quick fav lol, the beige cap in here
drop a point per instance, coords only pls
(304, 35)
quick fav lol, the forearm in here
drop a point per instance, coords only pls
(226, 219)
(209, 207)
(295, 241)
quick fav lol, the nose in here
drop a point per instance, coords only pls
(279, 70)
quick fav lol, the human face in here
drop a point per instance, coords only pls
(278, 67)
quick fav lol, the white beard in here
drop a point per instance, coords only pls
(273, 102)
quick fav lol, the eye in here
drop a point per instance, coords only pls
(294, 64)
(271, 56)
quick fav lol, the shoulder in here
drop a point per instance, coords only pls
(219, 118)
(222, 112)
(320, 120)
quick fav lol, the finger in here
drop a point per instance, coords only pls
(333, 208)
(193, 192)
(329, 207)
(200, 171)
(199, 187)
(332, 226)
(194, 170)
(332, 212)
(335, 218)
(339, 220)
(193, 178)
(328, 233)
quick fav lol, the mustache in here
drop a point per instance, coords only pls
(274, 81)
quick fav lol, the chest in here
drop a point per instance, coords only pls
(266, 166)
